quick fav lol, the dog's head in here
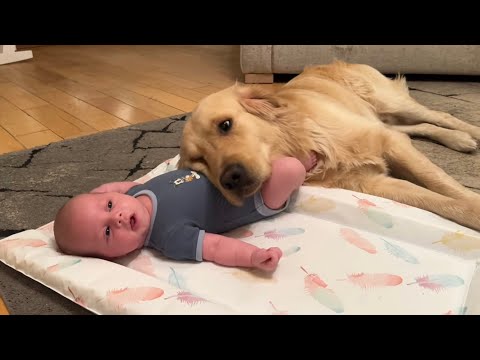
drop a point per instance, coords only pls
(229, 138)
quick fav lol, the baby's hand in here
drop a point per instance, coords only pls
(118, 186)
(310, 162)
(100, 189)
(266, 259)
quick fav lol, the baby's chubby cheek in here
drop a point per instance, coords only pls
(144, 203)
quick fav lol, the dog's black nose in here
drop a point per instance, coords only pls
(234, 177)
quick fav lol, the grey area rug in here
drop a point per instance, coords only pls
(35, 183)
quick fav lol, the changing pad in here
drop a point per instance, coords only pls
(344, 253)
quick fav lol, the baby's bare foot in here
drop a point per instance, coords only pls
(310, 162)
(266, 259)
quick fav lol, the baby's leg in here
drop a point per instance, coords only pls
(288, 174)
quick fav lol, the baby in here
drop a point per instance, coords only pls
(179, 213)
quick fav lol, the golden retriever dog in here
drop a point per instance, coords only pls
(353, 117)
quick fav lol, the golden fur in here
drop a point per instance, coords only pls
(353, 117)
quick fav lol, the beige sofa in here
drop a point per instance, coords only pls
(260, 62)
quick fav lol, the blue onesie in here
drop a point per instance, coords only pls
(186, 205)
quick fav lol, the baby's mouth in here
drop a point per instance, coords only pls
(132, 222)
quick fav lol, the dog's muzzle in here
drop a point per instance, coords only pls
(236, 179)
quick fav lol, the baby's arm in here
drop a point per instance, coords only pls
(120, 187)
(233, 252)
(288, 174)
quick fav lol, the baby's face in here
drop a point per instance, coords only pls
(110, 224)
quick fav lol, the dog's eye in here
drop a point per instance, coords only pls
(225, 126)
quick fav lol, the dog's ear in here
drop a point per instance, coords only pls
(258, 101)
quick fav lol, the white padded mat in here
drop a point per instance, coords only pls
(344, 253)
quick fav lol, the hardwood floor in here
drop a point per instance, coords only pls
(3, 308)
(70, 91)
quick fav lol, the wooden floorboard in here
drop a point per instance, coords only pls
(66, 91)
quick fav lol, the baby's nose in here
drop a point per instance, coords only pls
(120, 218)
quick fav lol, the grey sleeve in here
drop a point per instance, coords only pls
(263, 209)
(184, 242)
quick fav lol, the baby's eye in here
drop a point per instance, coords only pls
(107, 231)
(109, 205)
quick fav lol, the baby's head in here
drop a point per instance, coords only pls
(106, 225)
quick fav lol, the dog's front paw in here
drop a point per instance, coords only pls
(462, 142)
